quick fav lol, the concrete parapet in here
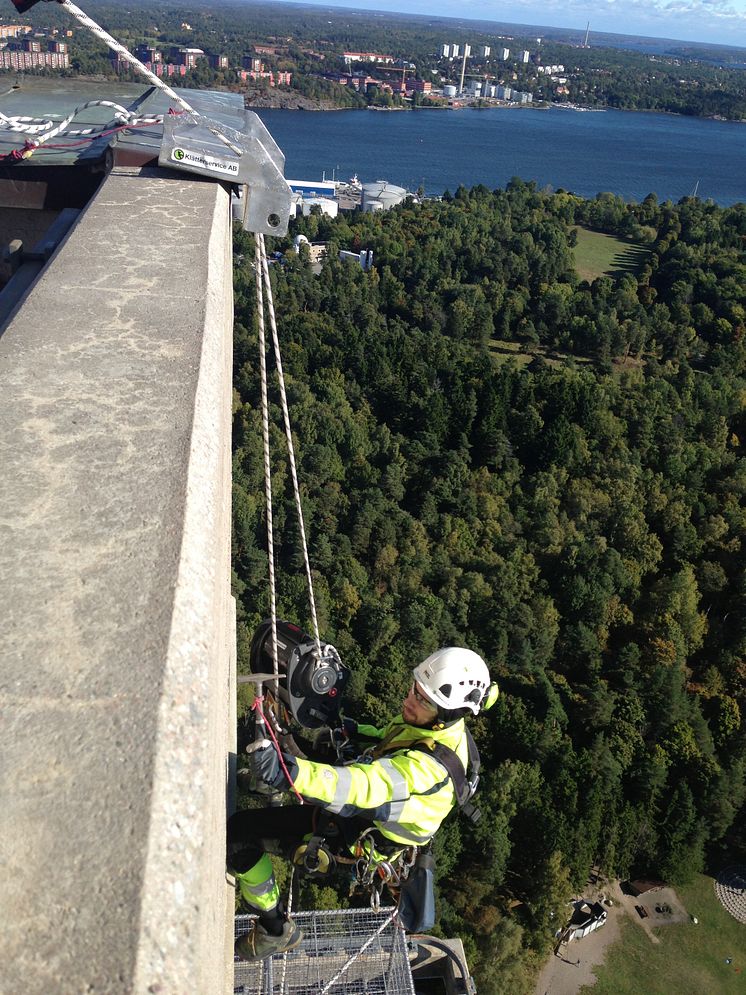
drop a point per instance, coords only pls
(117, 684)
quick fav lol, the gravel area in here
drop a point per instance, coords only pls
(572, 966)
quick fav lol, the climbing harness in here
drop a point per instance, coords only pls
(464, 786)
(374, 871)
(191, 141)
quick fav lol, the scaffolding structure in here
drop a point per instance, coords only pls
(355, 951)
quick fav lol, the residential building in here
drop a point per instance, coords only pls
(148, 53)
(189, 57)
(275, 78)
(30, 54)
(252, 63)
(360, 82)
(350, 57)
(14, 30)
(158, 68)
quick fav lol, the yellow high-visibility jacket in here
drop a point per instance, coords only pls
(406, 793)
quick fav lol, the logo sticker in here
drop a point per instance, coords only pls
(204, 162)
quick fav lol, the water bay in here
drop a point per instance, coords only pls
(627, 153)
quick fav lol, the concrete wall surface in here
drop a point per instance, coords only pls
(118, 671)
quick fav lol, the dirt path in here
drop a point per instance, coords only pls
(562, 974)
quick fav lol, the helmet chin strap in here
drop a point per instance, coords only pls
(448, 717)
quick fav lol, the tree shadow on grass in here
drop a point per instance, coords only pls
(630, 259)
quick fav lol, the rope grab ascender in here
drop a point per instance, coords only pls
(193, 142)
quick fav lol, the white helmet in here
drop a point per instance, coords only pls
(454, 678)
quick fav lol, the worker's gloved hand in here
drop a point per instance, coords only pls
(264, 763)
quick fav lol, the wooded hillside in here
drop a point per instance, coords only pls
(579, 521)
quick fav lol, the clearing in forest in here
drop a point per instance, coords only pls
(502, 350)
(687, 959)
(597, 255)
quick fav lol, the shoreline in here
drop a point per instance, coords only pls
(315, 106)
(578, 108)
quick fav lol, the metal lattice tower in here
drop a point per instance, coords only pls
(331, 946)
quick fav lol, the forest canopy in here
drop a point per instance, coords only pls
(577, 518)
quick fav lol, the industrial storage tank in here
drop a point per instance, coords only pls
(381, 195)
(330, 207)
(392, 195)
(449, 91)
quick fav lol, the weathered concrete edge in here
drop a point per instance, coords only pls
(186, 901)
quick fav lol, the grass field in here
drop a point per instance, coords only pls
(689, 960)
(503, 350)
(597, 254)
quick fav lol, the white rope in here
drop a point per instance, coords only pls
(45, 128)
(259, 243)
(116, 46)
(289, 437)
(113, 44)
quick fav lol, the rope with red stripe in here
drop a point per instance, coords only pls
(258, 707)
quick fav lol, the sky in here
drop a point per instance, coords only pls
(720, 21)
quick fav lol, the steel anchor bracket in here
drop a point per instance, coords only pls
(250, 158)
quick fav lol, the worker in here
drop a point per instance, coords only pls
(397, 791)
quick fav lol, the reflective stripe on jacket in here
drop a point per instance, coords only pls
(406, 793)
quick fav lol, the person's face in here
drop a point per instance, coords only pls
(417, 710)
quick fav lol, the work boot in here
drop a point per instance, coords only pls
(258, 943)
